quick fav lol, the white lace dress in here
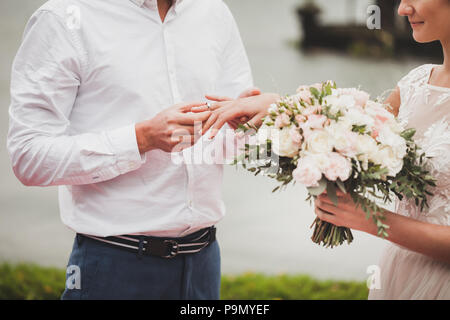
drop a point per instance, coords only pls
(406, 274)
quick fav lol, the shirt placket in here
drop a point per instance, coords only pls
(170, 60)
(172, 73)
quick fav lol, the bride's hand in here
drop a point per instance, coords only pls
(254, 108)
(345, 214)
(251, 92)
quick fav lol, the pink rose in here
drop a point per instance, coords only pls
(375, 133)
(282, 120)
(316, 121)
(312, 110)
(378, 110)
(381, 118)
(352, 140)
(307, 132)
(360, 97)
(377, 127)
(295, 135)
(300, 118)
(339, 167)
(305, 96)
(307, 173)
(380, 121)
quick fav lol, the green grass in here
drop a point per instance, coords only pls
(251, 286)
(28, 281)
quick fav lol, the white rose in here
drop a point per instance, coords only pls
(375, 109)
(344, 124)
(333, 102)
(307, 172)
(356, 116)
(343, 139)
(387, 159)
(282, 143)
(366, 149)
(273, 108)
(339, 167)
(395, 126)
(339, 102)
(388, 138)
(322, 161)
(360, 97)
(319, 141)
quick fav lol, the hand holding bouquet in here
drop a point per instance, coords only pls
(331, 139)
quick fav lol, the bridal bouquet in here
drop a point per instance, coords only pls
(329, 138)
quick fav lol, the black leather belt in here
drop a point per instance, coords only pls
(160, 247)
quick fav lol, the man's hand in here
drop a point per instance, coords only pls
(171, 130)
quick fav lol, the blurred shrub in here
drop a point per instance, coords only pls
(289, 287)
(27, 281)
(30, 282)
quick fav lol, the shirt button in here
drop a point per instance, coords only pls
(132, 165)
(190, 203)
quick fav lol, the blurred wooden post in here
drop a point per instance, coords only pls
(308, 14)
(388, 8)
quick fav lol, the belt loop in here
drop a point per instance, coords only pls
(79, 239)
(212, 234)
(141, 247)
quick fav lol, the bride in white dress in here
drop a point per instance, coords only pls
(416, 262)
(407, 274)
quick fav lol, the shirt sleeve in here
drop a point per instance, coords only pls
(236, 75)
(45, 79)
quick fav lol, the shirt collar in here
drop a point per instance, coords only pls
(140, 3)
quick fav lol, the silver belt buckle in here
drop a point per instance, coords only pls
(174, 246)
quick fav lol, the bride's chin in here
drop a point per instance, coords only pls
(420, 37)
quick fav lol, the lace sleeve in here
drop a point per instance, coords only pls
(415, 78)
(408, 85)
(436, 145)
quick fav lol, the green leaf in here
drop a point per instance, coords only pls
(327, 90)
(359, 129)
(315, 92)
(331, 192)
(408, 134)
(243, 128)
(317, 191)
(341, 185)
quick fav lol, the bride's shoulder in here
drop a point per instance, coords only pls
(417, 76)
(413, 81)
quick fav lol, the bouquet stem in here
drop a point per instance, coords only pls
(330, 235)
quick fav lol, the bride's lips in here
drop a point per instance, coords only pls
(415, 24)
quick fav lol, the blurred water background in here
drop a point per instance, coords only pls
(263, 232)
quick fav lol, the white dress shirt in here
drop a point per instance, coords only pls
(87, 71)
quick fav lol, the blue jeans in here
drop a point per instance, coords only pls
(106, 272)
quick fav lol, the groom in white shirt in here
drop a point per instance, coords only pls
(98, 91)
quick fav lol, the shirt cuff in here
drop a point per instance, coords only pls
(124, 145)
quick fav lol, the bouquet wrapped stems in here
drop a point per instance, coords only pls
(330, 235)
